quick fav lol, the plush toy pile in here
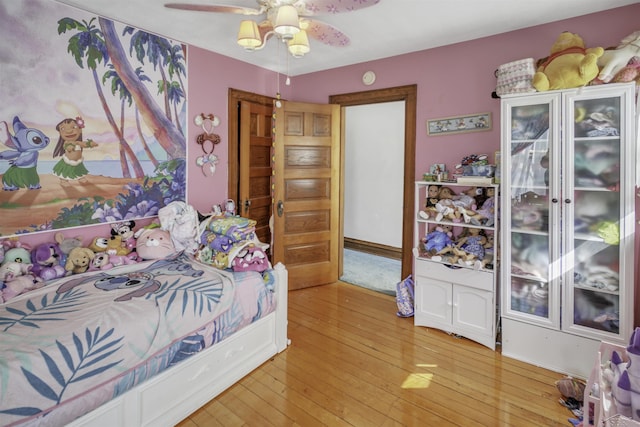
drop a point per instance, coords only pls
(226, 241)
(571, 64)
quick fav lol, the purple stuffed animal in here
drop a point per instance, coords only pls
(48, 260)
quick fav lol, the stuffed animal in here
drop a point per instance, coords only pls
(19, 285)
(78, 260)
(47, 261)
(66, 244)
(154, 243)
(104, 261)
(111, 245)
(569, 65)
(12, 269)
(15, 251)
(127, 234)
(613, 61)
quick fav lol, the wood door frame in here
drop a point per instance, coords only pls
(409, 95)
(234, 97)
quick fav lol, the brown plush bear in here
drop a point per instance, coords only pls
(569, 65)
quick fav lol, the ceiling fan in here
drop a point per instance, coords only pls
(289, 20)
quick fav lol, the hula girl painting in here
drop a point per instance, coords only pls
(70, 146)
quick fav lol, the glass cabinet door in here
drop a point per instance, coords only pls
(593, 208)
(530, 285)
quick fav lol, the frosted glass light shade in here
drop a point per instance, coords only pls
(249, 35)
(287, 23)
(299, 44)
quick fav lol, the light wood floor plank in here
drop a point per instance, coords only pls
(353, 362)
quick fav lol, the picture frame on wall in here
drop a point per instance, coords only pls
(459, 124)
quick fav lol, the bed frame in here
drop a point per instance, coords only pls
(174, 394)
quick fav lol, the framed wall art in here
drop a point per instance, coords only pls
(459, 124)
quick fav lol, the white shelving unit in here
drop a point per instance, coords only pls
(457, 298)
(568, 170)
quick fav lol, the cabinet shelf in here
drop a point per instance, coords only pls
(457, 298)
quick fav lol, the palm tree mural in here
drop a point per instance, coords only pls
(117, 86)
(89, 48)
(164, 130)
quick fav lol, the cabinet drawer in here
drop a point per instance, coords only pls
(463, 276)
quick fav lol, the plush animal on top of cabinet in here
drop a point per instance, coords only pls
(569, 65)
(613, 61)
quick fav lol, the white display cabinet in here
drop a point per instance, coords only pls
(453, 293)
(568, 171)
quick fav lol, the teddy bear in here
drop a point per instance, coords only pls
(47, 261)
(78, 260)
(569, 65)
(613, 61)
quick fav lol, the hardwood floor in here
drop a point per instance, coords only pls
(353, 362)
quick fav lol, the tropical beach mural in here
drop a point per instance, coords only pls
(92, 119)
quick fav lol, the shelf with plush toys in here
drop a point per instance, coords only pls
(455, 262)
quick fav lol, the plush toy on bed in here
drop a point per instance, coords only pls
(154, 243)
(78, 260)
(127, 234)
(15, 251)
(569, 65)
(17, 279)
(47, 261)
(66, 244)
(104, 261)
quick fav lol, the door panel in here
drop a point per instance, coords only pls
(306, 185)
(254, 193)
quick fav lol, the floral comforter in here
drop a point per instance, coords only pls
(82, 340)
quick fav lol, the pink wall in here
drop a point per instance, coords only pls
(458, 79)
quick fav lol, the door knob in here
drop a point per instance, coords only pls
(247, 203)
(280, 207)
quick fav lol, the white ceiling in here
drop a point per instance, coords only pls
(389, 28)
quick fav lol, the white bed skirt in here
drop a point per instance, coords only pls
(174, 394)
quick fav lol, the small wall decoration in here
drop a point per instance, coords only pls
(459, 124)
(208, 159)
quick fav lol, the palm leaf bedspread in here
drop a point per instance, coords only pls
(84, 339)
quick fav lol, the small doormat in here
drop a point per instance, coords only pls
(371, 271)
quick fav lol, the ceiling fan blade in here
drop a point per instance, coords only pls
(325, 33)
(214, 8)
(318, 7)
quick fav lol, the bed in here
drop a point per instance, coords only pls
(138, 345)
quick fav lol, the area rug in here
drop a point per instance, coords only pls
(371, 271)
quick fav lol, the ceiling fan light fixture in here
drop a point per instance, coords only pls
(299, 44)
(287, 22)
(249, 35)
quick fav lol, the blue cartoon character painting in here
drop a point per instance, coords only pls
(23, 156)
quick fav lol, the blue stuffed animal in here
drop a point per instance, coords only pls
(23, 156)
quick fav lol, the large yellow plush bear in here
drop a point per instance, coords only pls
(569, 65)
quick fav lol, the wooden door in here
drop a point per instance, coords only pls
(254, 184)
(307, 192)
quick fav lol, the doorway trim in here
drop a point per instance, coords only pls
(408, 94)
(234, 97)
